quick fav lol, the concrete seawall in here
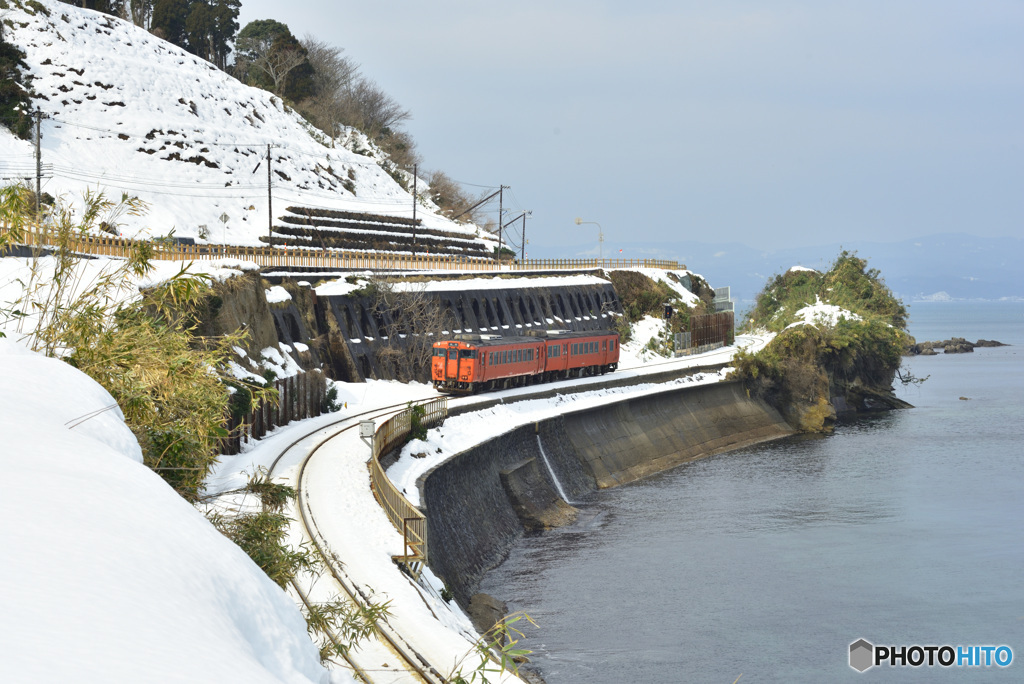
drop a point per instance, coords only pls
(475, 502)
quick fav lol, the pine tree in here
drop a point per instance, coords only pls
(15, 103)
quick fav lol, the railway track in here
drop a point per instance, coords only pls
(412, 664)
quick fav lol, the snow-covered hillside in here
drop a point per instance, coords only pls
(128, 112)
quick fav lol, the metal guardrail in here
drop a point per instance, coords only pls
(406, 518)
(101, 245)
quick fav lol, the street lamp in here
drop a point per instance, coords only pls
(600, 237)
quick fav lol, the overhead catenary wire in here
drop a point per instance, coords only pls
(192, 138)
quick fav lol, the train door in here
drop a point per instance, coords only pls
(451, 366)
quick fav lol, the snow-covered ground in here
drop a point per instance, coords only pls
(128, 112)
(108, 575)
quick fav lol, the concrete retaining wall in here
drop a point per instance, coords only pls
(472, 521)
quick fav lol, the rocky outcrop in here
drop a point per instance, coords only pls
(954, 345)
(534, 500)
(240, 303)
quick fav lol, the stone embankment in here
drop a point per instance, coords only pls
(484, 499)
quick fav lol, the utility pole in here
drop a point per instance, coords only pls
(39, 160)
(522, 253)
(501, 190)
(415, 168)
(270, 203)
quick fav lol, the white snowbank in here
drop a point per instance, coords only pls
(278, 295)
(821, 313)
(635, 352)
(108, 575)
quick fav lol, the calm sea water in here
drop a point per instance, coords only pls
(906, 528)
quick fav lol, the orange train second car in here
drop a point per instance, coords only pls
(479, 363)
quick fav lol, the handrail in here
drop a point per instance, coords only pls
(104, 245)
(406, 518)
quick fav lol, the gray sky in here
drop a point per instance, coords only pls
(766, 123)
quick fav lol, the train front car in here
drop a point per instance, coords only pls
(454, 367)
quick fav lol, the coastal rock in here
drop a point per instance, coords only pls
(486, 611)
(537, 504)
(959, 346)
(954, 345)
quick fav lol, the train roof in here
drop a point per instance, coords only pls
(485, 340)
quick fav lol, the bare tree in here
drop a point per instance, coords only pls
(139, 12)
(276, 63)
(412, 321)
(374, 109)
(333, 78)
(449, 196)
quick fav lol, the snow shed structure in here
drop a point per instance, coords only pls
(344, 332)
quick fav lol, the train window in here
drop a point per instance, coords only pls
(519, 355)
(467, 353)
(506, 357)
(611, 345)
(439, 352)
(453, 354)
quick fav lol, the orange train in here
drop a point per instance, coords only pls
(479, 363)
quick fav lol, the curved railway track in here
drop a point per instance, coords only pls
(413, 662)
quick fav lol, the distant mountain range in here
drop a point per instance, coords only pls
(953, 266)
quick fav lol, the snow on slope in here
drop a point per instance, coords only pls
(129, 112)
(821, 313)
(108, 575)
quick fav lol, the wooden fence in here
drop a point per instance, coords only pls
(300, 396)
(708, 329)
(406, 518)
(331, 259)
